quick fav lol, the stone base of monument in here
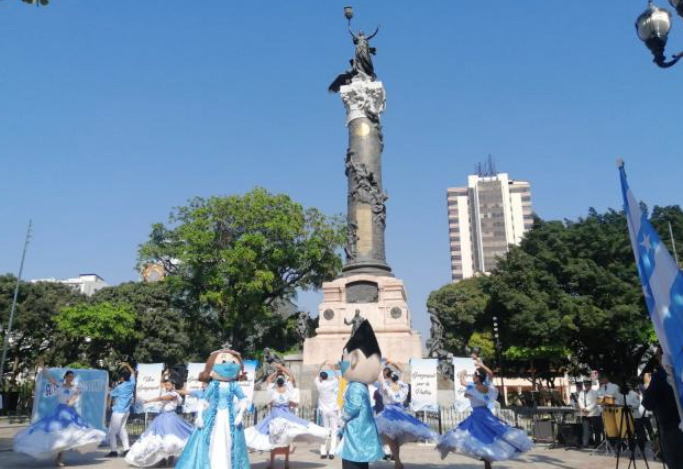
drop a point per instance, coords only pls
(379, 299)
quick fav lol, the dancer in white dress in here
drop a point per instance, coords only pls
(166, 436)
(60, 431)
(281, 427)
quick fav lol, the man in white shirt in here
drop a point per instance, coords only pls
(591, 417)
(327, 385)
(609, 389)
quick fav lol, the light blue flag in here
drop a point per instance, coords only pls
(662, 286)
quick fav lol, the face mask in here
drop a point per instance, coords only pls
(227, 370)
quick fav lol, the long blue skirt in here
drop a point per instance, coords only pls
(483, 436)
(166, 436)
(396, 424)
(60, 431)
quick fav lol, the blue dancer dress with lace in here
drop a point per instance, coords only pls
(59, 431)
(218, 443)
(164, 438)
(482, 435)
(394, 422)
(281, 427)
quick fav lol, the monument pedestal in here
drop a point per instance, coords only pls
(379, 299)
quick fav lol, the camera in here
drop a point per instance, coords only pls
(323, 375)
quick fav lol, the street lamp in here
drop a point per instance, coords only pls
(499, 357)
(653, 26)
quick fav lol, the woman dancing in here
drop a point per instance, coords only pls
(166, 436)
(395, 425)
(277, 431)
(60, 431)
(218, 440)
(482, 435)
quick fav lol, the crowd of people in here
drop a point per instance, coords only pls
(646, 404)
(351, 428)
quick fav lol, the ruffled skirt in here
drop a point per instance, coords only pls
(60, 431)
(396, 424)
(280, 429)
(166, 436)
(483, 436)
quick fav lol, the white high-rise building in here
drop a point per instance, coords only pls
(84, 283)
(484, 218)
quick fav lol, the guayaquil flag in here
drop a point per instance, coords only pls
(662, 286)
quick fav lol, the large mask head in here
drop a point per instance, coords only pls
(224, 365)
(361, 359)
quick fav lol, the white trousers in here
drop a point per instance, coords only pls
(331, 422)
(117, 426)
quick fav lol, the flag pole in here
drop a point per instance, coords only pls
(8, 332)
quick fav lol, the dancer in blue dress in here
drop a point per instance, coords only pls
(482, 435)
(281, 427)
(395, 425)
(218, 441)
(60, 431)
(165, 437)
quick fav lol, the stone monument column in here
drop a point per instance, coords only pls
(366, 212)
(367, 289)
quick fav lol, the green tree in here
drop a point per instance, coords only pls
(461, 309)
(98, 331)
(159, 321)
(34, 332)
(573, 287)
(230, 258)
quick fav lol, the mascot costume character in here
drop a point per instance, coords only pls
(360, 366)
(218, 441)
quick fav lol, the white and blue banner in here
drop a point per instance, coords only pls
(423, 386)
(662, 286)
(148, 386)
(93, 388)
(462, 366)
(192, 403)
(250, 367)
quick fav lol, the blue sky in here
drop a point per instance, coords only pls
(113, 112)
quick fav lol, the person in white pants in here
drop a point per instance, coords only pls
(328, 390)
(123, 398)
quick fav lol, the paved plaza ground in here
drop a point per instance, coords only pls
(306, 457)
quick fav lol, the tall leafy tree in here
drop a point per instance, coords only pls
(96, 332)
(461, 308)
(230, 258)
(34, 332)
(162, 330)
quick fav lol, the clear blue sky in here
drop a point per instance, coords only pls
(112, 113)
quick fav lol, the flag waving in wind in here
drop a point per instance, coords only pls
(662, 286)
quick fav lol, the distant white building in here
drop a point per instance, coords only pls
(84, 283)
(484, 218)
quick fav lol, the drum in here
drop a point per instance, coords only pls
(622, 422)
(609, 418)
(600, 400)
(609, 400)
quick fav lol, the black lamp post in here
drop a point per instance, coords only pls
(653, 27)
(499, 357)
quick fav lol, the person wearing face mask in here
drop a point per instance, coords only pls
(61, 430)
(482, 435)
(281, 427)
(166, 436)
(395, 425)
(218, 442)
